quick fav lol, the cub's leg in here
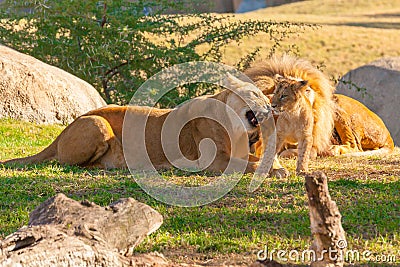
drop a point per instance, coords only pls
(281, 135)
(114, 157)
(277, 169)
(305, 145)
(89, 142)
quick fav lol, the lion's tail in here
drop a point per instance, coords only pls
(377, 152)
(46, 154)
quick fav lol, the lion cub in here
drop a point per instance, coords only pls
(292, 101)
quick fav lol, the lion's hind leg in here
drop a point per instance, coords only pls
(114, 157)
(87, 142)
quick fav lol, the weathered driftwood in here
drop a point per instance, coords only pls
(329, 241)
(64, 232)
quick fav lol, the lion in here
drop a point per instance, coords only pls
(312, 93)
(293, 101)
(231, 119)
(361, 132)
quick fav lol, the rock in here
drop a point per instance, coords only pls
(35, 91)
(381, 80)
(64, 232)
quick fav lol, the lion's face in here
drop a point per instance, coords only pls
(288, 92)
(250, 104)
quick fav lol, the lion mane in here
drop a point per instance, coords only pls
(262, 73)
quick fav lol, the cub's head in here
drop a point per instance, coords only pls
(289, 92)
(248, 102)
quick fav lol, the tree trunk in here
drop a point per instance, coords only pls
(329, 241)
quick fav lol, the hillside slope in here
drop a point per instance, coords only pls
(352, 33)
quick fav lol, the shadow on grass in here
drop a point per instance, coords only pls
(377, 25)
(384, 15)
(276, 214)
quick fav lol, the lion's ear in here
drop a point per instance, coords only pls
(232, 82)
(300, 84)
(277, 78)
(266, 84)
(304, 82)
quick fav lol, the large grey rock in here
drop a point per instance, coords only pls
(35, 91)
(64, 232)
(381, 81)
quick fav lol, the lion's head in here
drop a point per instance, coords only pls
(289, 92)
(248, 102)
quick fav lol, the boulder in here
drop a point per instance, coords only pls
(35, 91)
(65, 232)
(377, 85)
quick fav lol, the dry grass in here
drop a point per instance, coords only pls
(352, 33)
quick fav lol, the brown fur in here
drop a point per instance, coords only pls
(296, 121)
(95, 138)
(359, 129)
(262, 74)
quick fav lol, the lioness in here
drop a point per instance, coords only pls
(95, 138)
(361, 132)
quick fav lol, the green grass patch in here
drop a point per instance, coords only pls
(240, 223)
(18, 139)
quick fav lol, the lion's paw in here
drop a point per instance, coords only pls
(280, 173)
(289, 153)
(302, 173)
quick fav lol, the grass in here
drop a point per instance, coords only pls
(16, 137)
(232, 229)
